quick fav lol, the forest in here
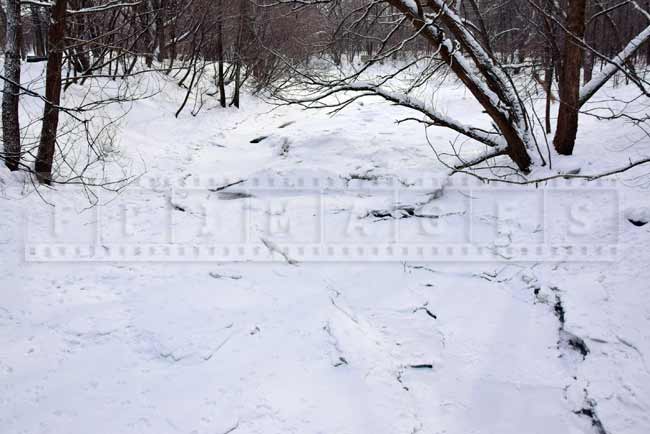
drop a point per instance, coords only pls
(507, 54)
(325, 216)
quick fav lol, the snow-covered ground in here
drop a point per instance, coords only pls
(532, 315)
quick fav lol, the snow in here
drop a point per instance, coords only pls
(590, 88)
(288, 342)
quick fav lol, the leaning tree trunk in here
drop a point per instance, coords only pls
(10, 123)
(56, 41)
(569, 79)
(511, 122)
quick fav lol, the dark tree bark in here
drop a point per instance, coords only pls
(37, 32)
(56, 41)
(161, 16)
(172, 47)
(507, 123)
(548, 87)
(569, 79)
(239, 48)
(221, 83)
(10, 96)
(484, 35)
(588, 68)
(147, 38)
(3, 24)
(81, 58)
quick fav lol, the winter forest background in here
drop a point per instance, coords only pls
(508, 54)
(343, 216)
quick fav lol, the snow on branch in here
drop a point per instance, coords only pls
(43, 4)
(89, 10)
(437, 118)
(494, 76)
(590, 88)
(103, 8)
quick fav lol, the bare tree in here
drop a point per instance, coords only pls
(56, 40)
(490, 47)
(569, 75)
(11, 92)
(446, 35)
(504, 52)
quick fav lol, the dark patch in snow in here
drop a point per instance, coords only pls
(284, 148)
(286, 124)
(362, 177)
(258, 139)
(399, 380)
(566, 339)
(436, 194)
(558, 308)
(367, 176)
(274, 248)
(232, 428)
(335, 344)
(405, 212)
(494, 276)
(575, 342)
(420, 267)
(422, 366)
(578, 344)
(341, 362)
(233, 195)
(638, 216)
(223, 187)
(380, 214)
(638, 222)
(425, 308)
(590, 412)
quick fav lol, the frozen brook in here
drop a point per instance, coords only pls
(153, 332)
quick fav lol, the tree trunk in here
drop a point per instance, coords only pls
(10, 96)
(82, 59)
(588, 67)
(588, 64)
(37, 32)
(569, 79)
(508, 123)
(243, 18)
(172, 48)
(56, 42)
(221, 84)
(161, 17)
(548, 87)
(148, 42)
